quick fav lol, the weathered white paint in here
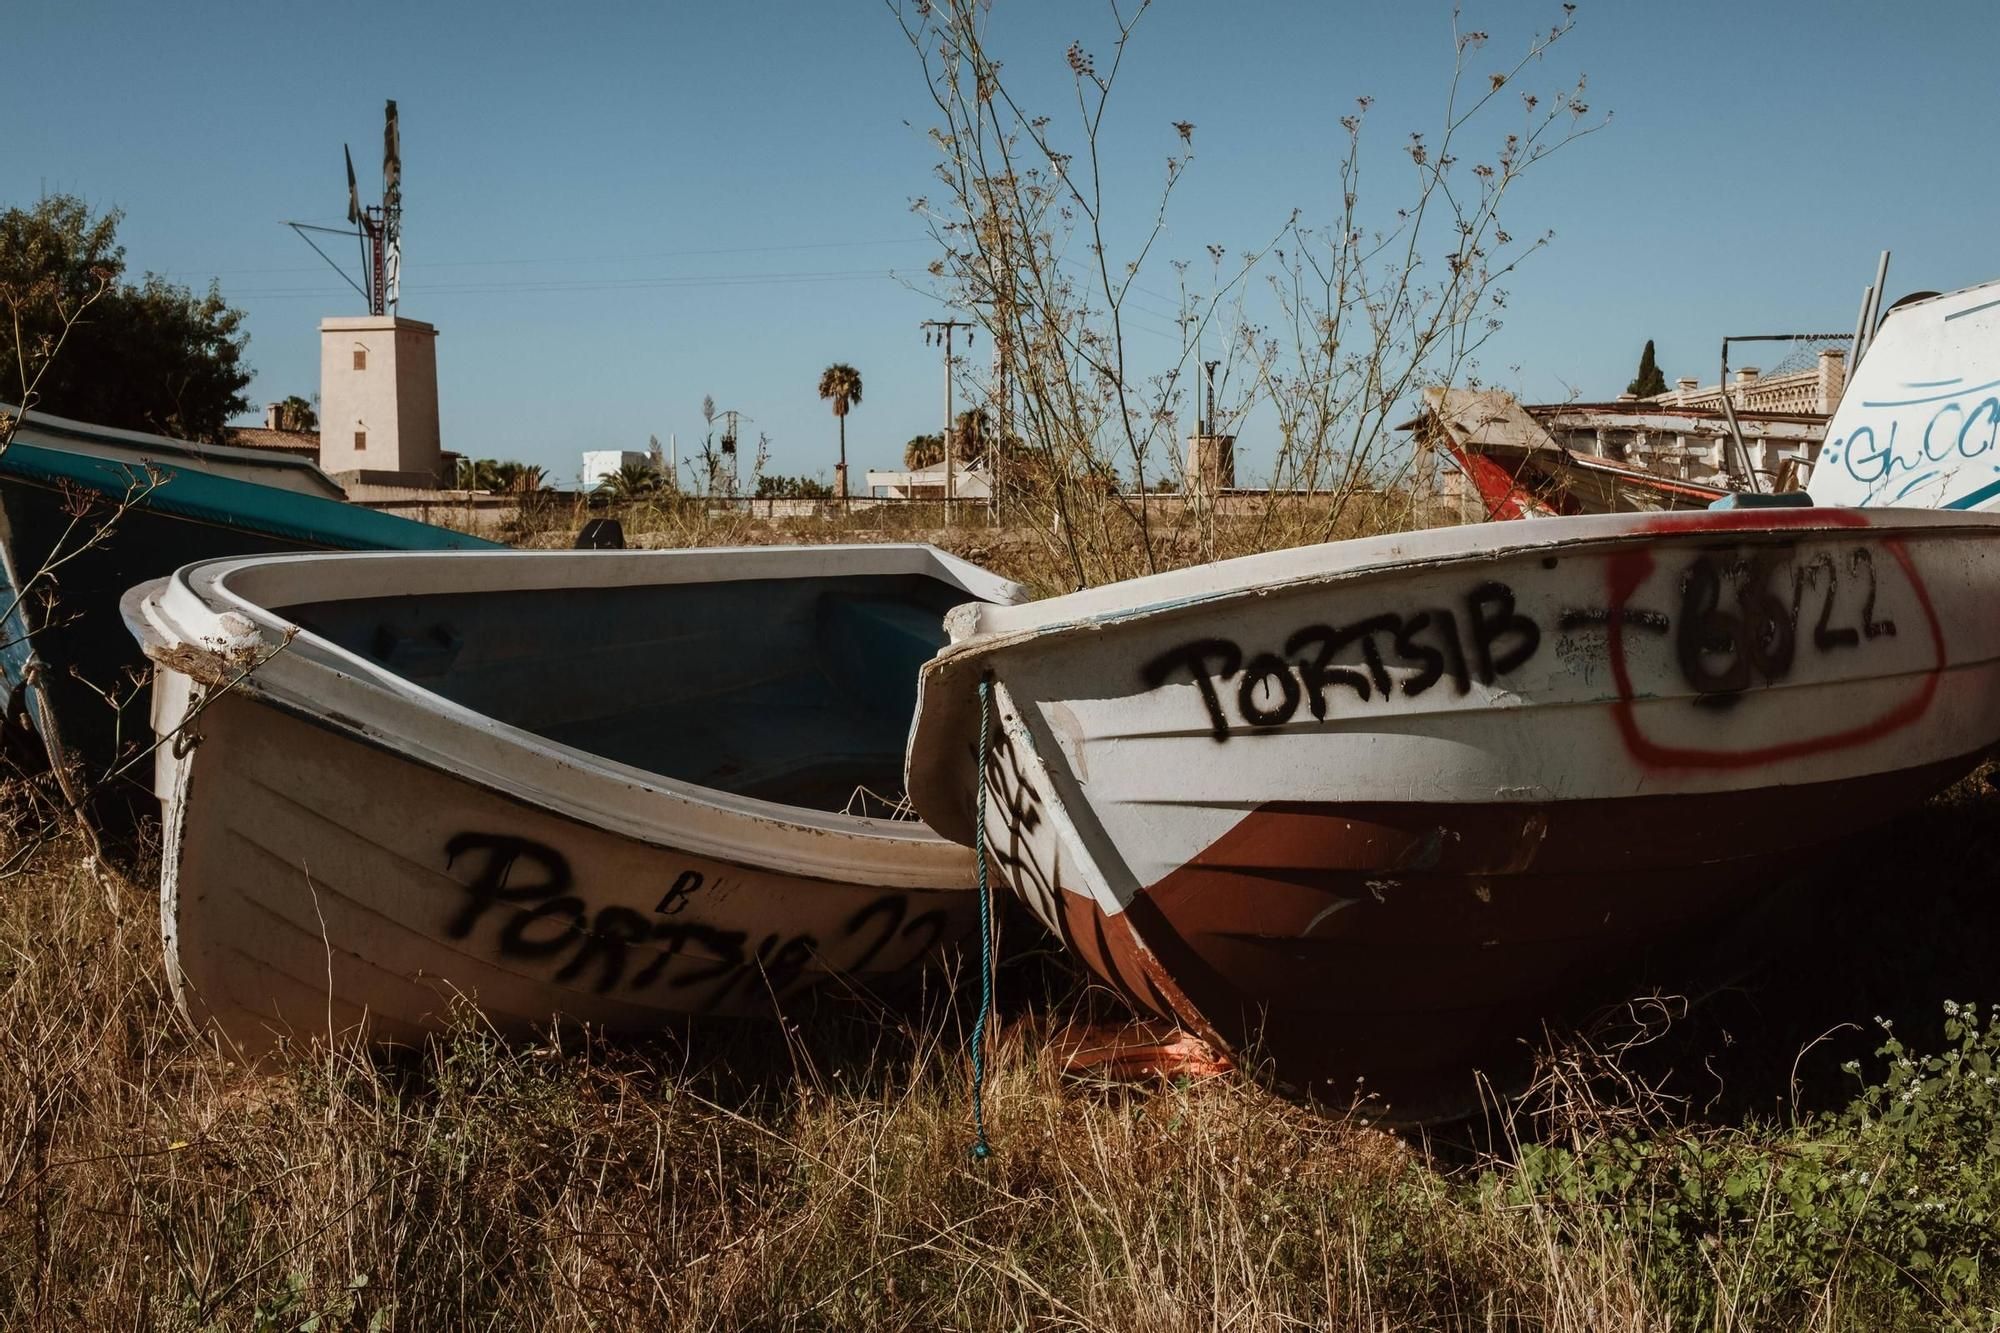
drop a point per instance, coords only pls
(1113, 776)
(338, 838)
(1919, 422)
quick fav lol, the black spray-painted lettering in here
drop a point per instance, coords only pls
(685, 885)
(1272, 686)
(491, 880)
(1726, 643)
(1194, 657)
(544, 918)
(1495, 622)
(1737, 626)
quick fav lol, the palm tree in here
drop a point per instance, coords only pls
(973, 435)
(633, 481)
(503, 475)
(476, 474)
(295, 413)
(841, 383)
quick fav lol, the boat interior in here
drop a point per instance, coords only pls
(798, 691)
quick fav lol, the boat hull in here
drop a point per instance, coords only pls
(316, 884)
(614, 788)
(1367, 814)
(101, 516)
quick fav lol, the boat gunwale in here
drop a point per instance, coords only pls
(945, 706)
(199, 454)
(825, 845)
(1731, 527)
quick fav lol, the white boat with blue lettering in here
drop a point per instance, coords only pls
(1918, 425)
(1364, 814)
(611, 787)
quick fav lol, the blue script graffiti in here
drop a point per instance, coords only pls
(1926, 433)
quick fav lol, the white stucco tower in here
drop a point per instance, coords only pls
(378, 404)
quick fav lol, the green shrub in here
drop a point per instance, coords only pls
(1888, 1212)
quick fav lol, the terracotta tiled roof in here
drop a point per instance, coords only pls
(284, 441)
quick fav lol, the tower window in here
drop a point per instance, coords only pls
(360, 436)
(360, 357)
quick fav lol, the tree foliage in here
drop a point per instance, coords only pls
(295, 413)
(974, 439)
(840, 384)
(502, 476)
(633, 481)
(772, 487)
(151, 355)
(1649, 381)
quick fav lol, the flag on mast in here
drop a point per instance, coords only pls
(353, 190)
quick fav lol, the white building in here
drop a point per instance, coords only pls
(599, 464)
(968, 483)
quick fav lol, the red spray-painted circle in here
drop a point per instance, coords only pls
(1627, 569)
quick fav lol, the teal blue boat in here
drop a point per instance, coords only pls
(85, 513)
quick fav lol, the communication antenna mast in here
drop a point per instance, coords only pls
(378, 227)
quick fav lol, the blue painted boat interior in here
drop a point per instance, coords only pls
(798, 691)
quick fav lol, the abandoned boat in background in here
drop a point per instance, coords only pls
(1514, 467)
(1369, 810)
(1919, 421)
(93, 511)
(609, 786)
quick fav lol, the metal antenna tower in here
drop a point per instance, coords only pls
(377, 227)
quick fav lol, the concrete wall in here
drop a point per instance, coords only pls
(1815, 390)
(391, 399)
(1211, 463)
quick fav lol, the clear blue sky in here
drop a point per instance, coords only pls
(613, 210)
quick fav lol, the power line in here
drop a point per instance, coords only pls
(669, 282)
(603, 259)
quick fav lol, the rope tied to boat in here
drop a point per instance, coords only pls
(981, 1149)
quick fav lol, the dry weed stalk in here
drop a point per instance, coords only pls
(1331, 326)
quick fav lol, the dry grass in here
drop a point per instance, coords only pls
(720, 1179)
(709, 1182)
(1021, 544)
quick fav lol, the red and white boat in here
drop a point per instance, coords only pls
(1366, 810)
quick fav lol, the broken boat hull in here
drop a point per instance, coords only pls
(1368, 812)
(347, 850)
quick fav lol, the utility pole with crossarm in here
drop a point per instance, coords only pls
(940, 331)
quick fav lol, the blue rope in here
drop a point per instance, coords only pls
(981, 1149)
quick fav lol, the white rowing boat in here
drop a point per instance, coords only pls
(615, 787)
